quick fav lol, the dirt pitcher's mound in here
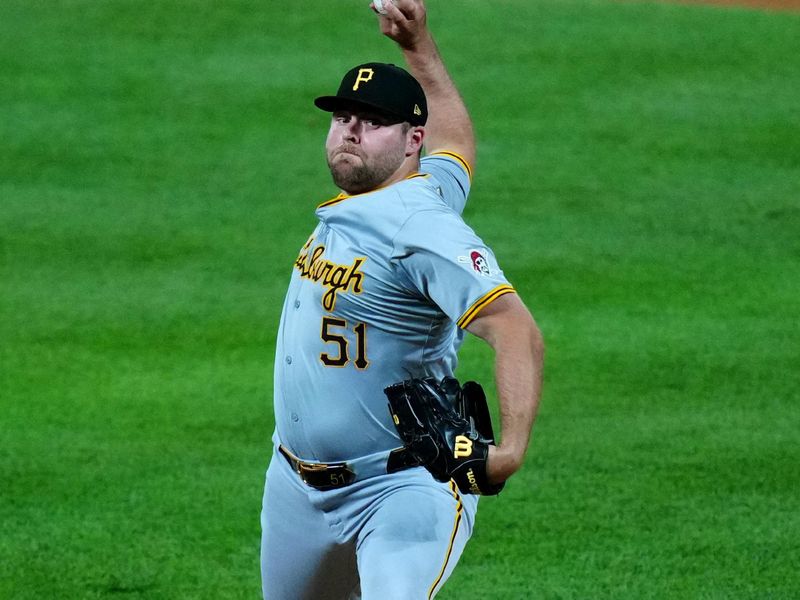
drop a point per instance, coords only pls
(793, 5)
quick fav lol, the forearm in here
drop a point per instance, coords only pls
(508, 327)
(518, 378)
(449, 126)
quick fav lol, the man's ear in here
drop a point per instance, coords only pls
(414, 139)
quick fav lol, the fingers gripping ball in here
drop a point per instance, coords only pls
(446, 428)
(380, 5)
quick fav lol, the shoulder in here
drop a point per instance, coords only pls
(445, 161)
(451, 175)
(420, 191)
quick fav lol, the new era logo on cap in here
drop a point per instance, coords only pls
(381, 87)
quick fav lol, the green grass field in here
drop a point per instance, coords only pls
(639, 178)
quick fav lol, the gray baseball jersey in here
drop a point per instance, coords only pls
(381, 291)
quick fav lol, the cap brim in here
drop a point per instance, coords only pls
(334, 103)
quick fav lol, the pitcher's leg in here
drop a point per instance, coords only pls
(413, 540)
(301, 558)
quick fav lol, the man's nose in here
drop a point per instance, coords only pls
(353, 130)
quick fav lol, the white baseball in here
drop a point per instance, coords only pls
(379, 5)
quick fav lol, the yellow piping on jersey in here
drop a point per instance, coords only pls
(459, 509)
(458, 157)
(482, 303)
(341, 197)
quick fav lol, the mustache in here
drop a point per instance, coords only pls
(349, 149)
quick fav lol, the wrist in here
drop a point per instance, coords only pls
(501, 464)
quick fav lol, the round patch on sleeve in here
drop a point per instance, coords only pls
(479, 263)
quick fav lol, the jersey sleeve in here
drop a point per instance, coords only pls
(452, 176)
(445, 261)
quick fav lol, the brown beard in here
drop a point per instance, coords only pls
(366, 176)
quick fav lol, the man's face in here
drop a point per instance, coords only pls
(365, 149)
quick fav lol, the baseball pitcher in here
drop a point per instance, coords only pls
(380, 454)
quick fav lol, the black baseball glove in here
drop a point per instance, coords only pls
(446, 428)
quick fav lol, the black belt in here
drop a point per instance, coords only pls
(331, 476)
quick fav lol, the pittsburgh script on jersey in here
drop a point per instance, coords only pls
(337, 278)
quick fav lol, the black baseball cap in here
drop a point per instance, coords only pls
(384, 88)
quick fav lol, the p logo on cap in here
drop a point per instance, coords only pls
(364, 75)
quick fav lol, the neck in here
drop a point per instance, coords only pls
(408, 167)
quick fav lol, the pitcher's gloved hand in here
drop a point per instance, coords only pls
(447, 428)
